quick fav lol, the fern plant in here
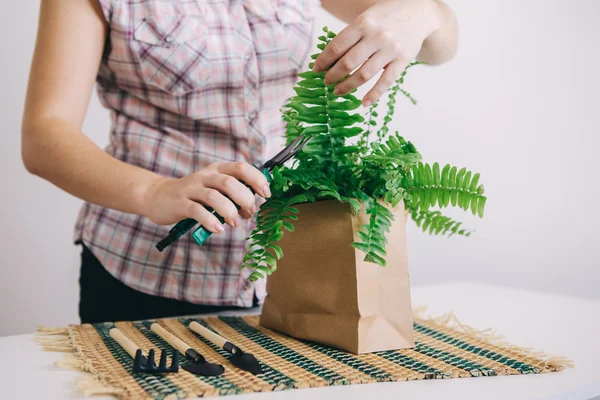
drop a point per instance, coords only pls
(356, 160)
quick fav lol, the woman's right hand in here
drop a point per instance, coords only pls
(168, 200)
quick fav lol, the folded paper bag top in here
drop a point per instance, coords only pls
(324, 292)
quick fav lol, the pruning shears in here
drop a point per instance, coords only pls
(201, 234)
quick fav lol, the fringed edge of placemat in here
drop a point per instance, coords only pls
(489, 336)
(92, 382)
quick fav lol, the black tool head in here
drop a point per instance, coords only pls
(205, 369)
(200, 366)
(246, 361)
(148, 366)
(288, 152)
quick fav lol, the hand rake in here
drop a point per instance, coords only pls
(145, 364)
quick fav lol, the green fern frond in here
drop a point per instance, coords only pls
(391, 104)
(394, 153)
(434, 223)
(429, 187)
(273, 217)
(315, 111)
(312, 179)
(373, 236)
(370, 123)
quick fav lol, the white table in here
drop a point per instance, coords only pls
(566, 326)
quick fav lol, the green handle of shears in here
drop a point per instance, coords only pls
(201, 233)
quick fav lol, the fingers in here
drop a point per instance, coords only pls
(245, 214)
(337, 48)
(232, 188)
(221, 204)
(218, 186)
(365, 73)
(205, 218)
(388, 78)
(350, 61)
(248, 174)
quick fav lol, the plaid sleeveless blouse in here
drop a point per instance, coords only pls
(189, 83)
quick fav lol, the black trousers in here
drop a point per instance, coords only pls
(103, 298)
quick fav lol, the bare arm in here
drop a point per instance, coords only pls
(67, 55)
(389, 33)
(65, 63)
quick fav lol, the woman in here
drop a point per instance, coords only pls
(194, 90)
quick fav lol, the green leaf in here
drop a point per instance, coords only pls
(346, 132)
(361, 246)
(474, 201)
(374, 258)
(363, 236)
(277, 249)
(481, 206)
(474, 182)
(454, 197)
(424, 200)
(311, 75)
(452, 177)
(346, 104)
(429, 175)
(289, 226)
(316, 83)
(466, 181)
(314, 119)
(308, 93)
(459, 177)
(436, 174)
(346, 150)
(355, 204)
(315, 129)
(433, 197)
(466, 201)
(440, 197)
(270, 260)
(255, 276)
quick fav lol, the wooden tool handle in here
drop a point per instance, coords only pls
(170, 338)
(124, 341)
(207, 334)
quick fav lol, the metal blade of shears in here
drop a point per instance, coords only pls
(288, 152)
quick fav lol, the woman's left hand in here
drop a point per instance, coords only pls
(387, 36)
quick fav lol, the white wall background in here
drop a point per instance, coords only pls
(520, 104)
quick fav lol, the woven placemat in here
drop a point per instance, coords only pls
(444, 349)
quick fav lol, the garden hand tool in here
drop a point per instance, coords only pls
(141, 363)
(200, 365)
(242, 360)
(201, 234)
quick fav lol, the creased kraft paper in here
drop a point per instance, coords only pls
(324, 292)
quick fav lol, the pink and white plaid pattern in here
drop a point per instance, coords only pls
(189, 83)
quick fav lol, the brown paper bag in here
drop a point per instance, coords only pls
(324, 292)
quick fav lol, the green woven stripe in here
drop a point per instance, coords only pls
(284, 352)
(351, 361)
(270, 374)
(224, 385)
(156, 386)
(509, 362)
(407, 362)
(472, 367)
